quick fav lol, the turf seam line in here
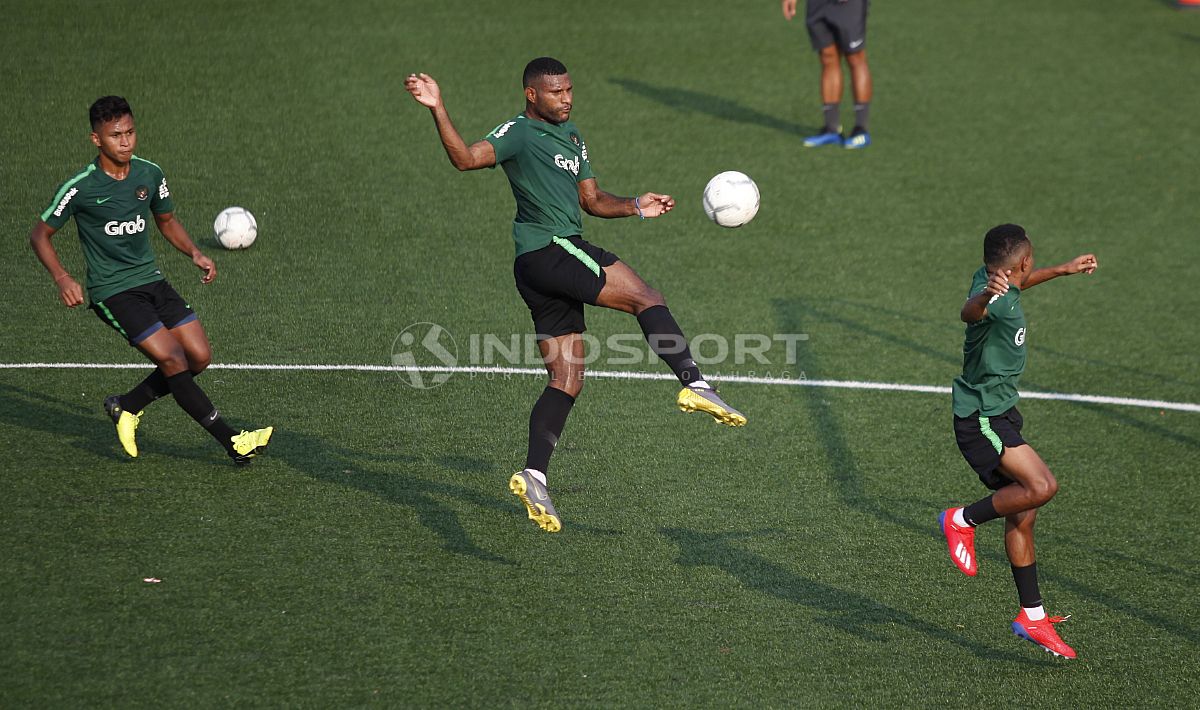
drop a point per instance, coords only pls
(629, 375)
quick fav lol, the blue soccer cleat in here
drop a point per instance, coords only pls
(857, 140)
(824, 138)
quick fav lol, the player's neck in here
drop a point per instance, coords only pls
(114, 169)
(533, 116)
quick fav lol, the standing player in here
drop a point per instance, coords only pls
(987, 424)
(113, 200)
(837, 28)
(556, 271)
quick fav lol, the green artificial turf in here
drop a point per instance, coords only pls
(375, 557)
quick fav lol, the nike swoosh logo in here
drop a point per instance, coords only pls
(542, 133)
(100, 201)
(855, 45)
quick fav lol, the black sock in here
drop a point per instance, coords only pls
(861, 112)
(192, 400)
(980, 512)
(546, 423)
(833, 120)
(667, 341)
(1027, 585)
(154, 386)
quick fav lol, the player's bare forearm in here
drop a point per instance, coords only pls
(599, 203)
(1084, 264)
(462, 156)
(39, 239)
(975, 309)
(426, 92)
(174, 233)
(606, 205)
(69, 290)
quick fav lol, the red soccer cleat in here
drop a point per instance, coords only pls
(1042, 633)
(961, 542)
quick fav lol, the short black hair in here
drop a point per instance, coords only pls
(540, 67)
(108, 108)
(1001, 242)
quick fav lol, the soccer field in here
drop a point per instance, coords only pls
(374, 556)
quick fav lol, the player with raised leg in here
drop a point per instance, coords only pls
(987, 424)
(113, 201)
(546, 161)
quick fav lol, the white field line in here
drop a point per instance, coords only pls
(614, 374)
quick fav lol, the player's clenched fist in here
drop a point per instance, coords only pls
(997, 284)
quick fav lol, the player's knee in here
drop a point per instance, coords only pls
(1044, 489)
(172, 362)
(829, 55)
(569, 382)
(198, 361)
(650, 298)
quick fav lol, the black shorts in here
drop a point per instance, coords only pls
(837, 21)
(141, 311)
(983, 439)
(557, 280)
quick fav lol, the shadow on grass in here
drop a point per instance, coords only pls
(313, 456)
(794, 316)
(720, 107)
(84, 425)
(847, 611)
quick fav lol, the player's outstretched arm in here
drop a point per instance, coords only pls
(174, 232)
(462, 156)
(69, 290)
(599, 203)
(975, 309)
(1082, 264)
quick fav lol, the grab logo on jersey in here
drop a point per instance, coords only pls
(1019, 338)
(133, 226)
(571, 166)
(66, 200)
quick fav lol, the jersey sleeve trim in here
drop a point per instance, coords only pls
(63, 190)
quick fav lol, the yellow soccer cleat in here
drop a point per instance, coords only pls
(249, 444)
(127, 424)
(536, 499)
(705, 399)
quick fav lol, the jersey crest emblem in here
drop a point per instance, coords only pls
(142, 192)
(575, 139)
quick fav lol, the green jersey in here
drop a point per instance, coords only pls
(545, 164)
(993, 355)
(113, 218)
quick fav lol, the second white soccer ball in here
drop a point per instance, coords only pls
(731, 199)
(235, 228)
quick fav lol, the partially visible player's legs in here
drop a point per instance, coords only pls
(564, 357)
(1031, 622)
(168, 353)
(860, 77)
(831, 98)
(196, 348)
(625, 291)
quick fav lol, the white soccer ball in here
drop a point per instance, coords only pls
(235, 228)
(731, 199)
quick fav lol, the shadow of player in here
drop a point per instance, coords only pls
(720, 107)
(846, 611)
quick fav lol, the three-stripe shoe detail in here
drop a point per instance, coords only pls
(960, 541)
